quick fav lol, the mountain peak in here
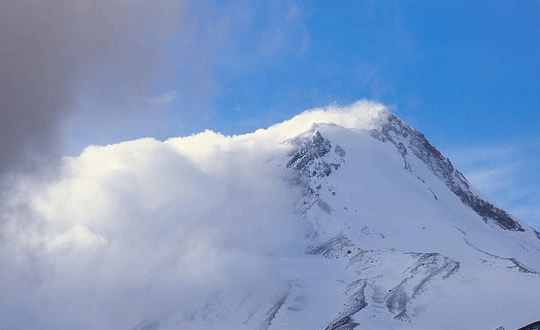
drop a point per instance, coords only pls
(339, 218)
(362, 115)
(386, 127)
(389, 226)
(406, 138)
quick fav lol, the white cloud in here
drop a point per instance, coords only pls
(165, 98)
(123, 216)
(490, 180)
(506, 173)
(130, 230)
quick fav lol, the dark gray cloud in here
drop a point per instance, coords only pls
(100, 60)
(51, 52)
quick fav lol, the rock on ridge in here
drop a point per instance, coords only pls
(311, 149)
(313, 161)
(532, 326)
(397, 132)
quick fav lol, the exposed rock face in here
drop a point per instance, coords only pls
(406, 138)
(421, 270)
(308, 158)
(314, 160)
(532, 326)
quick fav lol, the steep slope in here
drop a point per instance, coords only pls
(405, 234)
(394, 238)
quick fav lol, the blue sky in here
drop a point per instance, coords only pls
(466, 74)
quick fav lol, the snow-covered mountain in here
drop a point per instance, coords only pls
(348, 219)
(395, 238)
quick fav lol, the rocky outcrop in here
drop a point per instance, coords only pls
(422, 269)
(308, 158)
(532, 326)
(313, 160)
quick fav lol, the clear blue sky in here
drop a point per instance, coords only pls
(465, 73)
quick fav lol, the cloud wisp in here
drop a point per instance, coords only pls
(506, 173)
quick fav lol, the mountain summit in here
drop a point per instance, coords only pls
(338, 219)
(394, 237)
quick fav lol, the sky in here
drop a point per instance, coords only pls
(78, 73)
(79, 80)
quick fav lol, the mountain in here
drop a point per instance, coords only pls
(394, 237)
(337, 219)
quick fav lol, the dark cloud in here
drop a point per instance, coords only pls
(94, 62)
(51, 52)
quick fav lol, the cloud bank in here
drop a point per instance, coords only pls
(127, 232)
(94, 63)
(132, 230)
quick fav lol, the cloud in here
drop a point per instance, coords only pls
(165, 98)
(137, 220)
(51, 52)
(130, 231)
(95, 62)
(506, 173)
(284, 31)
